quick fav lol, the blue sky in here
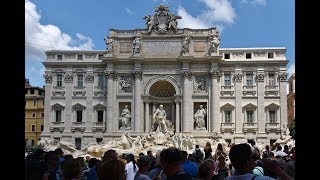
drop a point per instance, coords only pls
(82, 24)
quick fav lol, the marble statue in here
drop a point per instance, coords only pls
(160, 118)
(109, 43)
(125, 116)
(125, 85)
(214, 44)
(136, 45)
(185, 45)
(150, 22)
(199, 118)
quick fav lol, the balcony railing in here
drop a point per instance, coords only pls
(78, 125)
(79, 87)
(250, 127)
(272, 127)
(58, 87)
(98, 126)
(57, 126)
(227, 127)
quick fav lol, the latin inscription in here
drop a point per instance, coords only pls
(161, 47)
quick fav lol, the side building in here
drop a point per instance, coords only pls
(291, 99)
(243, 90)
(34, 114)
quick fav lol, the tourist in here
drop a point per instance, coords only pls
(219, 151)
(153, 160)
(189, 166)
(111, 169)
(206, 170)
(52, 164)
(171, 163)
(265, 154)
(207, 151)
(144, 164)
(71, 169)
(131, 167)
(198, 154)
(157, 173)
(222, 167)
(110, 154)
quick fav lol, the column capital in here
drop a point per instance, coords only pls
(137, 74)
(68, 78)
(283, 77)
(111, 74)
(186, 74)
(260, 77)
(48, 78)
(238, 77)
(89, 78)
(215, 74)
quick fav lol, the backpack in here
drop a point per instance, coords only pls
(199, 155)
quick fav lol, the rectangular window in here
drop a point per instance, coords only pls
(227, 56)
(249, 79)
(42, 114)
(290, 87)
(59, 80)
(31, 91)
(227, 116)
(271, 78)
(99, 140)
(80, 57)
(249, 116)
(32, 142)
(34, 103)
(248, 55)
(58, 115)
(42, 103)
(272, 116)
(270, 55)
(59, 57)
(78, 143)
(100, 116)
(33, 128)
(39, 92)
(26, 91)
(80, 80)
(100, 56)
(33, 114)
(79, 116)
(100, 80)
(41, 127)
(227, 79)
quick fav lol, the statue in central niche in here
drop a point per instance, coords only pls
(160, 118)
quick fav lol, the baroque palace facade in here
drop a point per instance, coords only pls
(243, 90)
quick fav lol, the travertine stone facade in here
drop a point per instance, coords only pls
(291, 99)
(242, 89)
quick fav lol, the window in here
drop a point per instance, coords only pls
(32, 142)
(80, 80)
(80, 57)
(33, 114)
(228, 141)
(42, 103)
(41, 127)
(227, 79)
(272, 116)
(248, 55)
(100, 116)
(39, 92)
(100, 80)
(227, 116)
(270, 55)
(33, 128)
(249, 116)
(26, 91)
(59, 80)
(100, 56)
(58, 115)
(79, 116)
(31, 91)
(78, 143)
(59, 57)
(34, 103)
(271, 78)
(42, 114)
(290, 87)
(99, 140)
(57, 139)
(249, 79)
(227, 56)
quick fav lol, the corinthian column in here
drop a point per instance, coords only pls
(187, 121)
(109, 75)
(214, 98)
(177, 115)
(138, 125)
(147, 120)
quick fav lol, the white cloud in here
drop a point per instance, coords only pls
(40, 38)
(217, 13)
(258, 2)
(129, 11)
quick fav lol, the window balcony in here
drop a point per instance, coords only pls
(249, 90)
(100, 91)
(272, 90)
(79, 87)
(78, 125)
(227, 90)
(250, 127)
(57, 126)
(98, 126)
(273, 127)
(58, 91)
(58, 88)
(227, 127)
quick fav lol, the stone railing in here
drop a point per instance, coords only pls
(273, 127)
(98, 126)
(250, 127)
(57, 126)
(78, 125)
(227, 127)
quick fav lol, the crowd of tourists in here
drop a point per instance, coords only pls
(244, 161)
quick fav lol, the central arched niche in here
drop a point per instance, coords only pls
(162, 88)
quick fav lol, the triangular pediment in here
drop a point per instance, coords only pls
(272, 106)
(227, 106)
(78, 105)
(99, 106)
(249, 106)
(57, 106)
